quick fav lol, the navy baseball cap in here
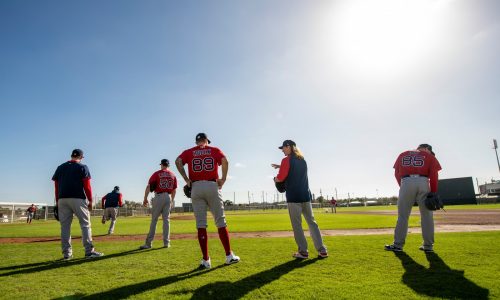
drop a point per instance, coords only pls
(76, 153)
(117, 188)
(428, 147)
(202, 136)
(287, 143)
(165, 162)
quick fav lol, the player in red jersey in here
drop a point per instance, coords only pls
(31, 211)
(203, 162)
(164, 184)
(416, 172)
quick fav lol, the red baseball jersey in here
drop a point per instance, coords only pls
(164, 181)
(202, 162)
(416, 162)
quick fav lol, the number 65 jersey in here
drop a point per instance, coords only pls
(202, 162)
(414, 162)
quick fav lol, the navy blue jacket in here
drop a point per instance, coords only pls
(112, 200)
(69, 177)
(297, 183)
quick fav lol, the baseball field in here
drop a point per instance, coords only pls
(465, 265)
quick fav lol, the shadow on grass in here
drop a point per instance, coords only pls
(439, 280)
(238, 289)
(138, 288)
(54, 264)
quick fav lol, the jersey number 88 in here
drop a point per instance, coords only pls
(205, 164)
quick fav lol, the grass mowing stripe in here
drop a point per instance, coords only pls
(276, 221)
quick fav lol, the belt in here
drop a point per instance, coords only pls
(214, 180)
(413, 176)
(161, 193)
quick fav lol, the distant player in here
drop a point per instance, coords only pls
(164, 184)
(333, 202)
(416, 172)
(72, 186)
(110, 204)
(203, 162)
(30, 213)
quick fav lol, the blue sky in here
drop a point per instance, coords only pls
(354, 83)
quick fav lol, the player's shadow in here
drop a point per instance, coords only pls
(238, 289)
(439, 280)
(138, 288)
(54, 264)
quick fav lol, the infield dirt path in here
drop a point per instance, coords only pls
(450, 221)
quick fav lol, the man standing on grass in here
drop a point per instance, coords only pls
(203, 163)
(72, 186)
(416, 172)
(164, 184)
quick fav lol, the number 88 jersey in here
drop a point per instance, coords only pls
(416, 163)
(202, 162)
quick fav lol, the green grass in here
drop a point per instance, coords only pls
(238, 221)
(465, 266)
(276, 220)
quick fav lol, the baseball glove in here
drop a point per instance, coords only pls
(187, 191)
(433, 202)
(152, 187)
(56, 213)
(280, 186)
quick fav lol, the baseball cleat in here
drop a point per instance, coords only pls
(393, 248)
(166, 246)
(232, 259)
(68, 257)
(426, 250)
(322, 254)
(94, 254)
(143, 247)
(300, 255)
(205, 264)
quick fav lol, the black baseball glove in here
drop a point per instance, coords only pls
(56, 213)
(187, 191)
(280, 186)
(433, 202)
(152, 187)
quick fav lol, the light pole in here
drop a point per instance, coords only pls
(495, 146)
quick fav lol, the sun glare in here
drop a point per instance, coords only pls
(383, 39)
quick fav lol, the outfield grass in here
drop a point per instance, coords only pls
(465, 266)
(238, 221)
(276, 220)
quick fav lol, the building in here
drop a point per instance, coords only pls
(490, 189)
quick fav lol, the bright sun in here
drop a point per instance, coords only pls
(383, 39)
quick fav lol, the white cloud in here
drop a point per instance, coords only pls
(239, 165)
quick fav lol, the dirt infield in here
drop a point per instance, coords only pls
(450, 221)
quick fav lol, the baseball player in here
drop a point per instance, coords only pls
(110, 204)
(30, 213)
(164, 184)
(333, 202)
(203, 162)
(72, 185)
(416, 172)
(293, 171)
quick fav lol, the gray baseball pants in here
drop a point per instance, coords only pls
(296, 210)
(206, 194)
(110, 213)
(414, 189)
(160, 206)
(68, 207)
